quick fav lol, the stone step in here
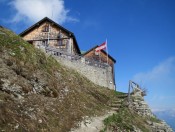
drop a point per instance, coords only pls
(142, 108)
(115, 109)
(117, 101)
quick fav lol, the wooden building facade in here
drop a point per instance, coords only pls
(47, 33)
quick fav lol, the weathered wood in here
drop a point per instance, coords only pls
(99, 57)
(52, 36)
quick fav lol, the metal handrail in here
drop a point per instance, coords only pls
(72, 57)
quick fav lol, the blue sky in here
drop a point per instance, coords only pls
(140, 34)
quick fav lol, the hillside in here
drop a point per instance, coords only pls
(37, 93)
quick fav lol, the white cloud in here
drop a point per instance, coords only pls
(160, 73)
(160, 82)
(35, 10)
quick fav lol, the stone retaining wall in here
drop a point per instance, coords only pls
(99, 74)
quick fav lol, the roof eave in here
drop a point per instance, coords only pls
(89, 50)
(39, 22)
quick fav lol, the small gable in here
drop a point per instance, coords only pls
(100, 56)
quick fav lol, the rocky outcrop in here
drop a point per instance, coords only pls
(160, 127)
(138, 104)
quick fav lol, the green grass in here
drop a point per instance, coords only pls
(125, 120)
(58, 110)
(155, 119)
(119, 93)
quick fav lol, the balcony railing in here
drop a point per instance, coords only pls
(71, 57)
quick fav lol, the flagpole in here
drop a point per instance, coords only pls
(107, 79)
(107, 50)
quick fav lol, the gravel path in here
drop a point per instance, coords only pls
(94, 124)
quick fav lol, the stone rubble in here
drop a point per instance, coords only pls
(138, 104)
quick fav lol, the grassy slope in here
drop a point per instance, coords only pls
(49, 97)
(126, 120)
(38, 94)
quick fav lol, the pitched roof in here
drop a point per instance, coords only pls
(51, 21)
(101, 51)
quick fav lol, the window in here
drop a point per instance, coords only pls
(60, 43)
(44, 43)
(46, 28)
(31, 42)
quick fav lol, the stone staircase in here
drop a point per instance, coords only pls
(117, 102)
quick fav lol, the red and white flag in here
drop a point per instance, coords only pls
(101, 47)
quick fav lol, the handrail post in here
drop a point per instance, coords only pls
(129, 91)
